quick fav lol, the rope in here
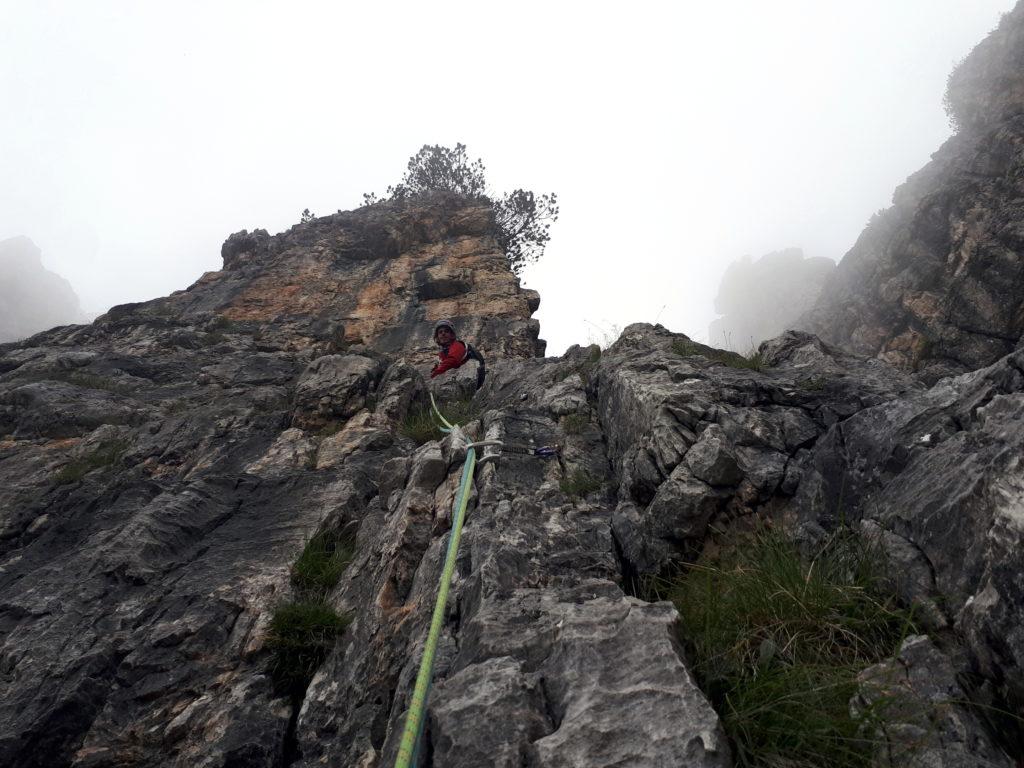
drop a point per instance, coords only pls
(408, 748)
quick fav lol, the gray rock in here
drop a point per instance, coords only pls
(712, 458)
(941, 470)
(933, 283)
(393, 474)
(495, 691)
(929, 722)
(640, 709)
(333, 387)
(162, 469)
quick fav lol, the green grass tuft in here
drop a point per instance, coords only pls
(812, 383)
(574, 423)
(460, 412)
(301, 635)
(82, 379)
(107, 454)
(422, 426)
(777, 642)
(304, 631)
(323, 560)
(687, 348)
(579, 484)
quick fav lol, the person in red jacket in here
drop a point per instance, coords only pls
(454, 353)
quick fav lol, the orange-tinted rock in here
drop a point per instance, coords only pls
(379, 276)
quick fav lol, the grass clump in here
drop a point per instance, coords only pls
(579, 484)
(777, 642)
(301, 635)
(687, 348)
(85, 380)
(422, 426)
(460, 411)
(105, 455)
(574, 423)
(323, 560)
(304, 631)
(812, 383)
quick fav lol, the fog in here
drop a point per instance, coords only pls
(759, 299)
(679, 136)
(32, 298)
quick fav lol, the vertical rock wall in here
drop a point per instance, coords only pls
(935, 283)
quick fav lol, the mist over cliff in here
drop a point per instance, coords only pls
(933, 283)
(760, 299)
(32, 298)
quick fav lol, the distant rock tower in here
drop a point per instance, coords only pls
(32, 298)
(761, 299)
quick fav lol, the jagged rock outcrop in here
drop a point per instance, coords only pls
(759, 300)
(937, 475)
(934, 283)
(32, 298)
(161, 470)
(697, 441)
(378, 278)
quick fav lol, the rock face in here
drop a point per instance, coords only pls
(761, 299)
(32, 298)
(377, 278)
(931, 725)
(162, 469)
(934, 283)
(937, 474)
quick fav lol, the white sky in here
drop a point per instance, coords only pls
(679, 136)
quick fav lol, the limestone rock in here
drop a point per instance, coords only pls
(333, 387)
(941, 470)
(712, 459)
(162, 469)
(933, 283)
(930, 723)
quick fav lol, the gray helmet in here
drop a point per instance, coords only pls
(444, 324)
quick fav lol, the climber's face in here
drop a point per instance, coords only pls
(444, 336)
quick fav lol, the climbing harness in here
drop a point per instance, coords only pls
(408, 748)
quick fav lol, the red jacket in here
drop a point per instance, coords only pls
(452, 356)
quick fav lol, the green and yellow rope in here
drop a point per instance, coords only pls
(414, 720)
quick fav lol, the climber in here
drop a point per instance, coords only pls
(455, 353)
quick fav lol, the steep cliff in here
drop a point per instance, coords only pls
(162, 470)
(32, 298)
(934, 282)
